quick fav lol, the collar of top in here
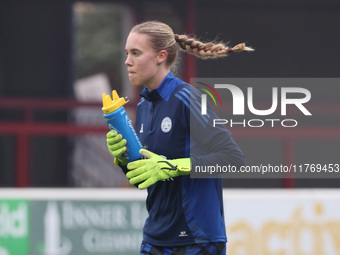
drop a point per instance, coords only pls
(164, 90)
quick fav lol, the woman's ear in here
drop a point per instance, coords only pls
(161, 57)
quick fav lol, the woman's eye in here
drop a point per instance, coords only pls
(133, 53)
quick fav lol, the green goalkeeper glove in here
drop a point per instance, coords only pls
(117, 146)
(156, 168)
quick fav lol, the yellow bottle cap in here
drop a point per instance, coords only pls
(110, 105)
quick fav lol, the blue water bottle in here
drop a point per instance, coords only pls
(117, 119)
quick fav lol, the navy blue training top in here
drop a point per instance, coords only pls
(184, 210)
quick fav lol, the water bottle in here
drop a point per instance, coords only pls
(117, 119)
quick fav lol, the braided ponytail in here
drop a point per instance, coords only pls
(207, 50)
(162, 37)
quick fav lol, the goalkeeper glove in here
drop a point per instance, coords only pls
(117, 146)
(156, 168)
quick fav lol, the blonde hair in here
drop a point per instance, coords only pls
(163, 38)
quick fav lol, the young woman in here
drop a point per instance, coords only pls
(185, 214)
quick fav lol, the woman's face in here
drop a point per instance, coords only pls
(141, 61)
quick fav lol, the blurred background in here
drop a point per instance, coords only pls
(58, 57)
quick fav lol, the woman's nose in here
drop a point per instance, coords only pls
(128, 61)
